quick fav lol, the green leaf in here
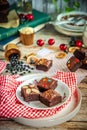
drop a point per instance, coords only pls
(67, 1)
(76, 4)
(68, 9)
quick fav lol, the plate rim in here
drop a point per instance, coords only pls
(67, 28)
(47, 108)
(66, 32)
(43, 122)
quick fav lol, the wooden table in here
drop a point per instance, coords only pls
(79, 122)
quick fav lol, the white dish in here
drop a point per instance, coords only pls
(66, 32)
(78, 26)
(62, 116)
(62, 89)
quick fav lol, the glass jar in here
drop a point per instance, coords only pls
(85, 36)
(24, 6)
(50, 6)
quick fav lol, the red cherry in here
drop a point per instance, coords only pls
(51, 41)
(29, 17)
(78, 43)
(63, 47)
(40, 42)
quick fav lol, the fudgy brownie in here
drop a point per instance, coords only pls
(50, 98)
(73, 64)
(84, 63)
(44, 64)
(4, 10)
(46, 83)
(4, 4)
(80, 53)
(30, 93)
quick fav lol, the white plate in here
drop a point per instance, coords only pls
(68, 33)
(69, 27)
(62, 89)
(65, 115)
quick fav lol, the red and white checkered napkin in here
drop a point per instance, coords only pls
(2, 66)
(10, 107)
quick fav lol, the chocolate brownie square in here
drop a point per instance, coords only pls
(46, 83)
(73, 64)
(80, 53)
(4, 4)
(84, 63)
(44, 64)
(50, 98)
(4, 10)
(30, 93)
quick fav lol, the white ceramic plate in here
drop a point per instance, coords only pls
(66, 32)
(62, 89)
(65, 115)
(70, 27)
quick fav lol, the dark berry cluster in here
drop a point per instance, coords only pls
(17, 67)
(13, 58)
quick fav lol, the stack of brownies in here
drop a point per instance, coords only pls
(42, 91)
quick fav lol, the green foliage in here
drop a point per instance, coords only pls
(68, 9)
(67, 1)
(76, 5)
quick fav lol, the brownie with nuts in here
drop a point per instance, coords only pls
(50, 98)
(46, 83)
(73, 64)
(44, 64)
(30, 93)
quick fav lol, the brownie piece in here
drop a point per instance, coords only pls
(4, 4)
(80, 53)
(30, 93)
(84, 63)
(50, 98)
(4, 10)
(44, 64)
(46, 83)
(73, 64)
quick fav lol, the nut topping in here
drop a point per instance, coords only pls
(28, 91)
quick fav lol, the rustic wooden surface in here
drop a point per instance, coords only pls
(79, 122)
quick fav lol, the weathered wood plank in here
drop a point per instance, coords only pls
(70, 125)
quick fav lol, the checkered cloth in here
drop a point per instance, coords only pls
(2, 66)
(10, 107)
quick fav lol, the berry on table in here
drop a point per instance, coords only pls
(51, 41)
(40, 42)
(63, 47)
(78, 43)
(17, 67)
